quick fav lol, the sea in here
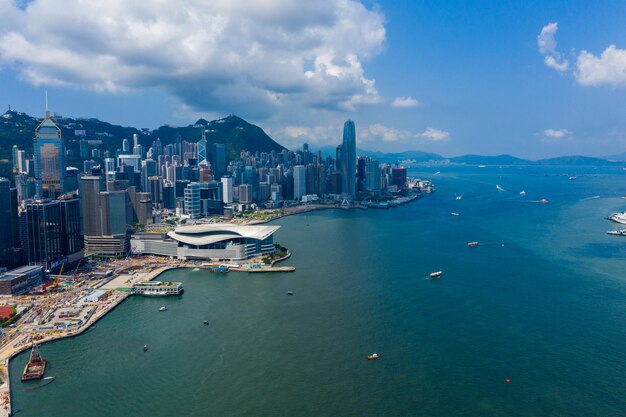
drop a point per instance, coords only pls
(531, 322)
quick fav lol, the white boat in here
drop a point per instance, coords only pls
(436, 274)
(455, 214)
(499, 188)
(522, 193)
(618, 218)
(621, 232)
(163, 308)
(372, 357)
(459, 197)
(482, 166)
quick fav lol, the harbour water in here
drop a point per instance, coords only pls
(540, 302)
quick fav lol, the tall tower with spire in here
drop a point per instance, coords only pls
(348, 155)
(49, 154)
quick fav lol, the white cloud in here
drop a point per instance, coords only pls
(608, 69)
(404, 102)
(556, 133)
(434, 135)
(252, 56)
(547, 47)
(377, 132)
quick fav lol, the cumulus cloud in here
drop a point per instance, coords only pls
(434, 135)
(547, 47)
(556, 133)
(590, 70)
(252, 56)
(608, 69)
(404, 102)
(378, 132)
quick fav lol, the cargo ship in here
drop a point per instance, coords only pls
(35, 367)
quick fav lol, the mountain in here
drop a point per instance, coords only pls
(235, 132)
(489, 160)
(577, 160)
(617, 157)
(417, 156)
(18, 128)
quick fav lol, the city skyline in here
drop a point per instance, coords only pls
(451, 79)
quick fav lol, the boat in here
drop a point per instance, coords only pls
(482, 166)
(618, 218)
(472, 244)
(163, 308)
(289, 292)
(573, 177)
(436, 274)
(621, 232)
(499, 188)
(145, 348)
(372, 357)
(459, 197)
(454, 213)
(543, 201)
(35, 367)
(522, 193)
(206, 322)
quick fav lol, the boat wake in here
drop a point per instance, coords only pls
(500, 188)
(595, 197)
(45, 381)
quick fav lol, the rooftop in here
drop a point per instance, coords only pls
(203, 234)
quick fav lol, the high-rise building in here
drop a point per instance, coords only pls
(218, 160)
(299, 182)
(372, 176)
(125, 146)
(348, 153)
(90, 188)
(49, 159)
(6, 225)
(202, 151)
(53, 232)
(227, 182)
(245, 194)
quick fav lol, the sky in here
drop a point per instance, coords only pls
(530, 78)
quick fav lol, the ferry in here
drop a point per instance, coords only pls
(35, 367)
(372, 357)
(454, 213)
(436, 274)
(472, 244)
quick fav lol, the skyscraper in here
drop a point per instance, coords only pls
(6, 225)
(218, 160)
(202, 154)
(299, 182)
(348, 153)
(49, 159)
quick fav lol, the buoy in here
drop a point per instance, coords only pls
(508, 381)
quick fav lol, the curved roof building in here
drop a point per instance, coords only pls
(209, 241)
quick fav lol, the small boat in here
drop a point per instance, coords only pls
(459, 197)
(454, 213)
(499, 188)
(482, 166)
(472, 244)
(522, 193)
(372, 357)
(621, 232)
(206, 322)
(543, 201)
(289, 292)
(436, 274)
(145, 348)
(437, 173)
(163, 308)
(573, 177)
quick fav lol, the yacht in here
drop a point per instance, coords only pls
(163, 308)
(454, 213)
(459, 197)
(472, 244)
(621, 232)
(372, 357)
(436, 274)
(618, 218)
(522, 193)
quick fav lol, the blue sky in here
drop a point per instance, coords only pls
(529, 78)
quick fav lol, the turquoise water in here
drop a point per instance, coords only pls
(540, 302)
